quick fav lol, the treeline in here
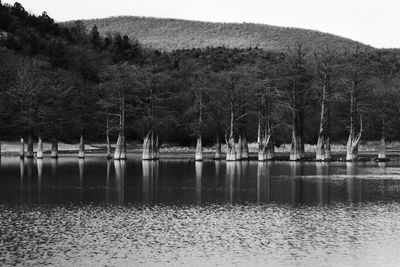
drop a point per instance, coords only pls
(66, 83)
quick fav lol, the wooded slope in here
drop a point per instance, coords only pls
(171, 34)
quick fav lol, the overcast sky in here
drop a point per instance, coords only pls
(373, 22)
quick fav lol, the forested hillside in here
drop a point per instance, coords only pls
(172, 34)
(61, 82)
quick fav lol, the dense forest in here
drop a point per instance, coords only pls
(172, 34)
(66, 82)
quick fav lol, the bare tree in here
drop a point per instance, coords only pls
(293, 93)
(323, 66)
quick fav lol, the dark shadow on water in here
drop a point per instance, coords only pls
(177, 182)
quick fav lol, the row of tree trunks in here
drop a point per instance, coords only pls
(39, 153)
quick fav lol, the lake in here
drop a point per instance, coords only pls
(95, 212)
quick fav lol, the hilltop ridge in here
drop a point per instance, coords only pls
(172, 34)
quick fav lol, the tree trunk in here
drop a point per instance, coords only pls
(217, 155)
(320, 153)
(239, 148)
(261, 154)
(353, 140)
(296, 152)
(54, 148)
(29, 152)
(39, 153)
(382, 146)
(230, 152)
(245, 149)
(123, 147)
(22, 149)
(297, 148)
(199, 150)
(382, 149)
(117, 151)
(81, 153)
(108, 138)
(327, 148)
(150, 147)
(146, 153)
(270, 153)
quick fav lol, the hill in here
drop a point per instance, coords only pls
(171, 34)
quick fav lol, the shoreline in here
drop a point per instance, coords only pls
(209, 156)
(134, 151)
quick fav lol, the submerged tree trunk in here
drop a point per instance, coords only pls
(261, 154)
(22, 149)
(108, 138)
(297, 147)
(81, 152)
(117, 151)
(382, 145)
(199, 150)
(239, 148)
(270, 154)
(39, 153)
(54, 148)
(382, 149)
(29, 151)
(353, 140)
(230, 150)
(150, 147)
(296, 152)
(323, 144)
(245, 149)
(217, 155)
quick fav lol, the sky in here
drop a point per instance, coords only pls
(372, 22)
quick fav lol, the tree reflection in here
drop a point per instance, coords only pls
(21, 179)
(263, 182)
(39, 163)
(296, 183)
(322, 172)
(81, 164)
(229, 180)
(199, 172)
(120, 172)
(150, 181)
(353, 184)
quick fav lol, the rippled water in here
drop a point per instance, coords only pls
(96, 212)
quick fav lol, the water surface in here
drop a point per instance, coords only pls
(174, 212)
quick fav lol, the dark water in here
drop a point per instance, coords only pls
(97, 212)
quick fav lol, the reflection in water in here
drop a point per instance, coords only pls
(199, 171)
(81, 163)
(150, 181)
(354, 186)
(229, 180)
(21, 179)
(29, 187)
(296, 182)
(217, 164)
(322, 172)
(120, 172)
(263, 182)
(50, 181)
(39, 163)
(108, 181)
